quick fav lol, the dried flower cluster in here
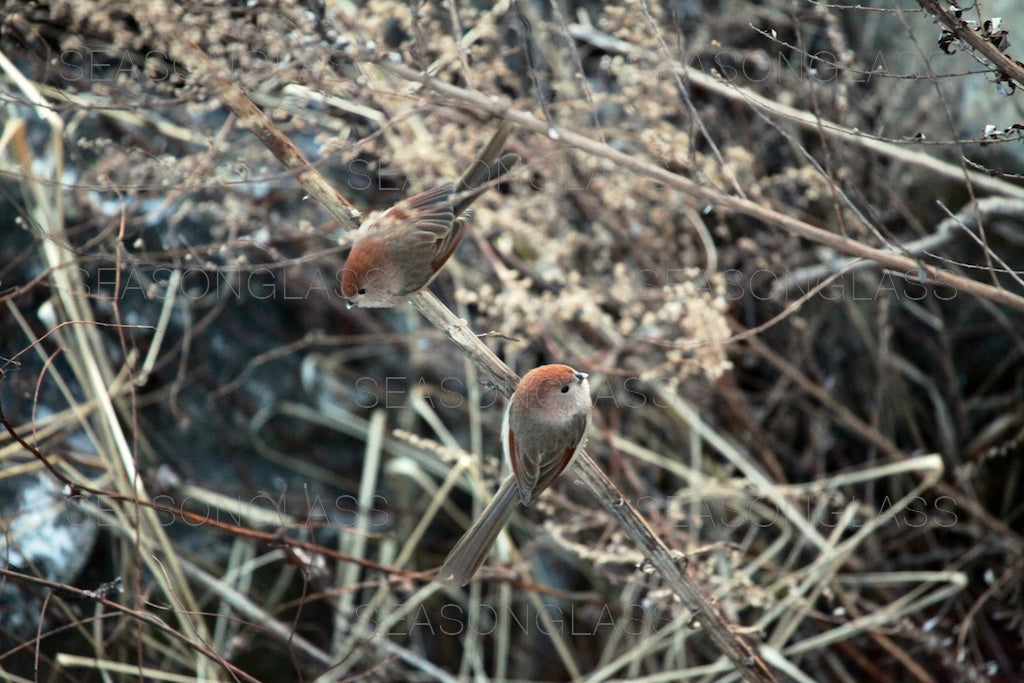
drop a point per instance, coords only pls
(857, 450)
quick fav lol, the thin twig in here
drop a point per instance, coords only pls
(895, 261)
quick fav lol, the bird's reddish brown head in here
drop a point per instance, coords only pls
(554, 390)
(364, 281)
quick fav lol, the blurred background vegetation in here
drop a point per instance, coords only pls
(246, 479)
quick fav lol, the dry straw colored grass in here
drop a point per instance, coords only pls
(795, 292)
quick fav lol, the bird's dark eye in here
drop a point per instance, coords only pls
(362, 291)
(565, 389)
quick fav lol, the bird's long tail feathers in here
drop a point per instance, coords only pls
(474, 546)
(491, 165)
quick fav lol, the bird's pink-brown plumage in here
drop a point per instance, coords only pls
(545, 423)
(398, 252)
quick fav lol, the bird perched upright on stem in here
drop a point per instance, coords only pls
(545, 424)
(399, 251)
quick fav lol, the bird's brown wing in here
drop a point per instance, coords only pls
(431, 223)
(445, 247)
(418, 230)
(426, 218)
